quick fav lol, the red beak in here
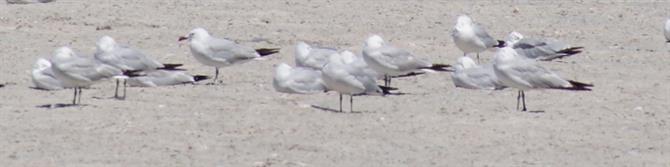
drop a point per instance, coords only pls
(182, 38)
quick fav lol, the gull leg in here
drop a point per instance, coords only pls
(74, 100)
(351, 103)
(79, 98)
(518, 98)
(389, 81)
(124, 88)
(386, 80)
(340, 102)
(116, 89)
(523, 97)
(216, 74)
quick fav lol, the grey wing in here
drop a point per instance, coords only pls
(88, 69)
(318, 57)
(46, 80)
(483, 77)
(484, 36)
(536, 76)
(136, 59)
(402, 59)
(539, 48)
(306, 81)
(226, 50)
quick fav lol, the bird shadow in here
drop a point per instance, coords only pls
(333, 110)
(58, 105)
(536, 111)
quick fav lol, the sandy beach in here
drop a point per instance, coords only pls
(624, 121)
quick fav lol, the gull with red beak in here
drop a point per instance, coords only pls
(217, 52)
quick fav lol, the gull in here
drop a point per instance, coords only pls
(43, 77)
(297, 80)
(126, 59)
(78, 72)
(667, 31)
(390, 61)
(341, 74)
(312, 56)
(470, 37)
(164, 78)
(524, 74)
(467, 74)
(540, 49)
(216, 52)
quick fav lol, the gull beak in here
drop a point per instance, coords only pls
(182, 38)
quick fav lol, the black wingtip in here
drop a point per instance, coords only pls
(565, 53)
(200, 77)
(267, 51)
(171, 67)
(388, 90)
(409, 74)
(578, 86)
(133, 73)
(501, 44)
(571, 50)
(440, 67)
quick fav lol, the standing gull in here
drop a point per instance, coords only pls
(467, 74)
(470, 37)
(667, 31)
(126, 59)
(525, 74)
(312, 56)
(297, 80)
(43, 77)
(540, 49)
(216, 52)
(340, 75)
(390, 61)
(77, 72)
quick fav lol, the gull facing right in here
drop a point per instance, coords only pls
(525, 74)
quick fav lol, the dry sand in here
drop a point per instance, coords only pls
(244, 122)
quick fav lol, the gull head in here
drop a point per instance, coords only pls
(195, 34)
(302, 49)
(282, 70)
(465, 62)
(463, 20)
(42, 64)
(347, 57)
(374, 41)
(63, 53)
(513, 37)
(106, 44)
(505, 54)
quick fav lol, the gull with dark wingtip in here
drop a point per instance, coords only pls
(218, 52)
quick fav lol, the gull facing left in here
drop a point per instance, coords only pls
(218, 52)
(344, 76)
(391, 61)
(77, 72)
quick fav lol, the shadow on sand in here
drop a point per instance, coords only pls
(58, 105)
(333, 110)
